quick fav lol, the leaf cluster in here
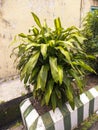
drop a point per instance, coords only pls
(53, 61)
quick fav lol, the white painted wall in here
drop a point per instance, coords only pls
(15, 17)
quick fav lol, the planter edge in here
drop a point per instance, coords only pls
(65, 118)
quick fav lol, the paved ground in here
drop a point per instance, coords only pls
(11, 89)
(94, 126)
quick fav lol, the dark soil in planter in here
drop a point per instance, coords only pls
(91, 81)
(40, 109)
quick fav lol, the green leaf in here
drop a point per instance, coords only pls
(83, 65)
(26, 78)
(30, 65)
(57, 23)
(69, 94)
(68, 90)
(54, 68)
(58, 93)
(86, 67)
(44, 50)
(22, 35)
(91, 56)
(42, 77)
(35, 31)
(21, 49)
(77, 78)
(33, 45)
(65, 53)
(49, 91)
(60, 74)
(80, 39)
(30, 38)
(36, 20)
(66, 80)
(53, 100)
(33, 74)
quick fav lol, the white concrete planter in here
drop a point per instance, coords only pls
(61, 119)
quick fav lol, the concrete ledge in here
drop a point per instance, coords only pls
(10, 112)
(61, 119)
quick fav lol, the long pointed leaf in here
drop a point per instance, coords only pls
(58, 93)
(42, 78)
(53, 100)
(44, 50)
(78, 80)
(30, 65)
(22, 35)
(69, 94)
(49, 91)
(60, 74)
(57, 23)
(66, 54)
(35, 31)
(54, 68)
(36, 20)
(33, 74)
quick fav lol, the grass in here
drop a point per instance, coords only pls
(88, 122)
(18, 123)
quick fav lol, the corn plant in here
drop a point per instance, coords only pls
(53, 61)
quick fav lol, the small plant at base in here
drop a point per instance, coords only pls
(88, 123)
(50, 59)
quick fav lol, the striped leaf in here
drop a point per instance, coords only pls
(57, 23)
(33, 74)
(29, 66)
(60, 74)
(77, 78)
(65, 53)
(54, 68)
(22, 35)
(42, 78)
(80, 39)
(36, 20)
(44, 50)
(49, 91)
(83, 65)
(35, 31)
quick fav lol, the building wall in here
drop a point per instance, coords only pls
(15, 17)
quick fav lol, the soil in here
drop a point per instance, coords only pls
(91, 81)
(40, 109)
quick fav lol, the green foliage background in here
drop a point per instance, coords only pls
(90, 31)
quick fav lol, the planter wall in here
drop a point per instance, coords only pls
(61, 119)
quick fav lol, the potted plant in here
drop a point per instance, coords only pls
(54, 61)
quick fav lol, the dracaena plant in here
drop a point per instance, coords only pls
(52, 60)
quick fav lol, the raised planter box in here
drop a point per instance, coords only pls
(61, 119)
